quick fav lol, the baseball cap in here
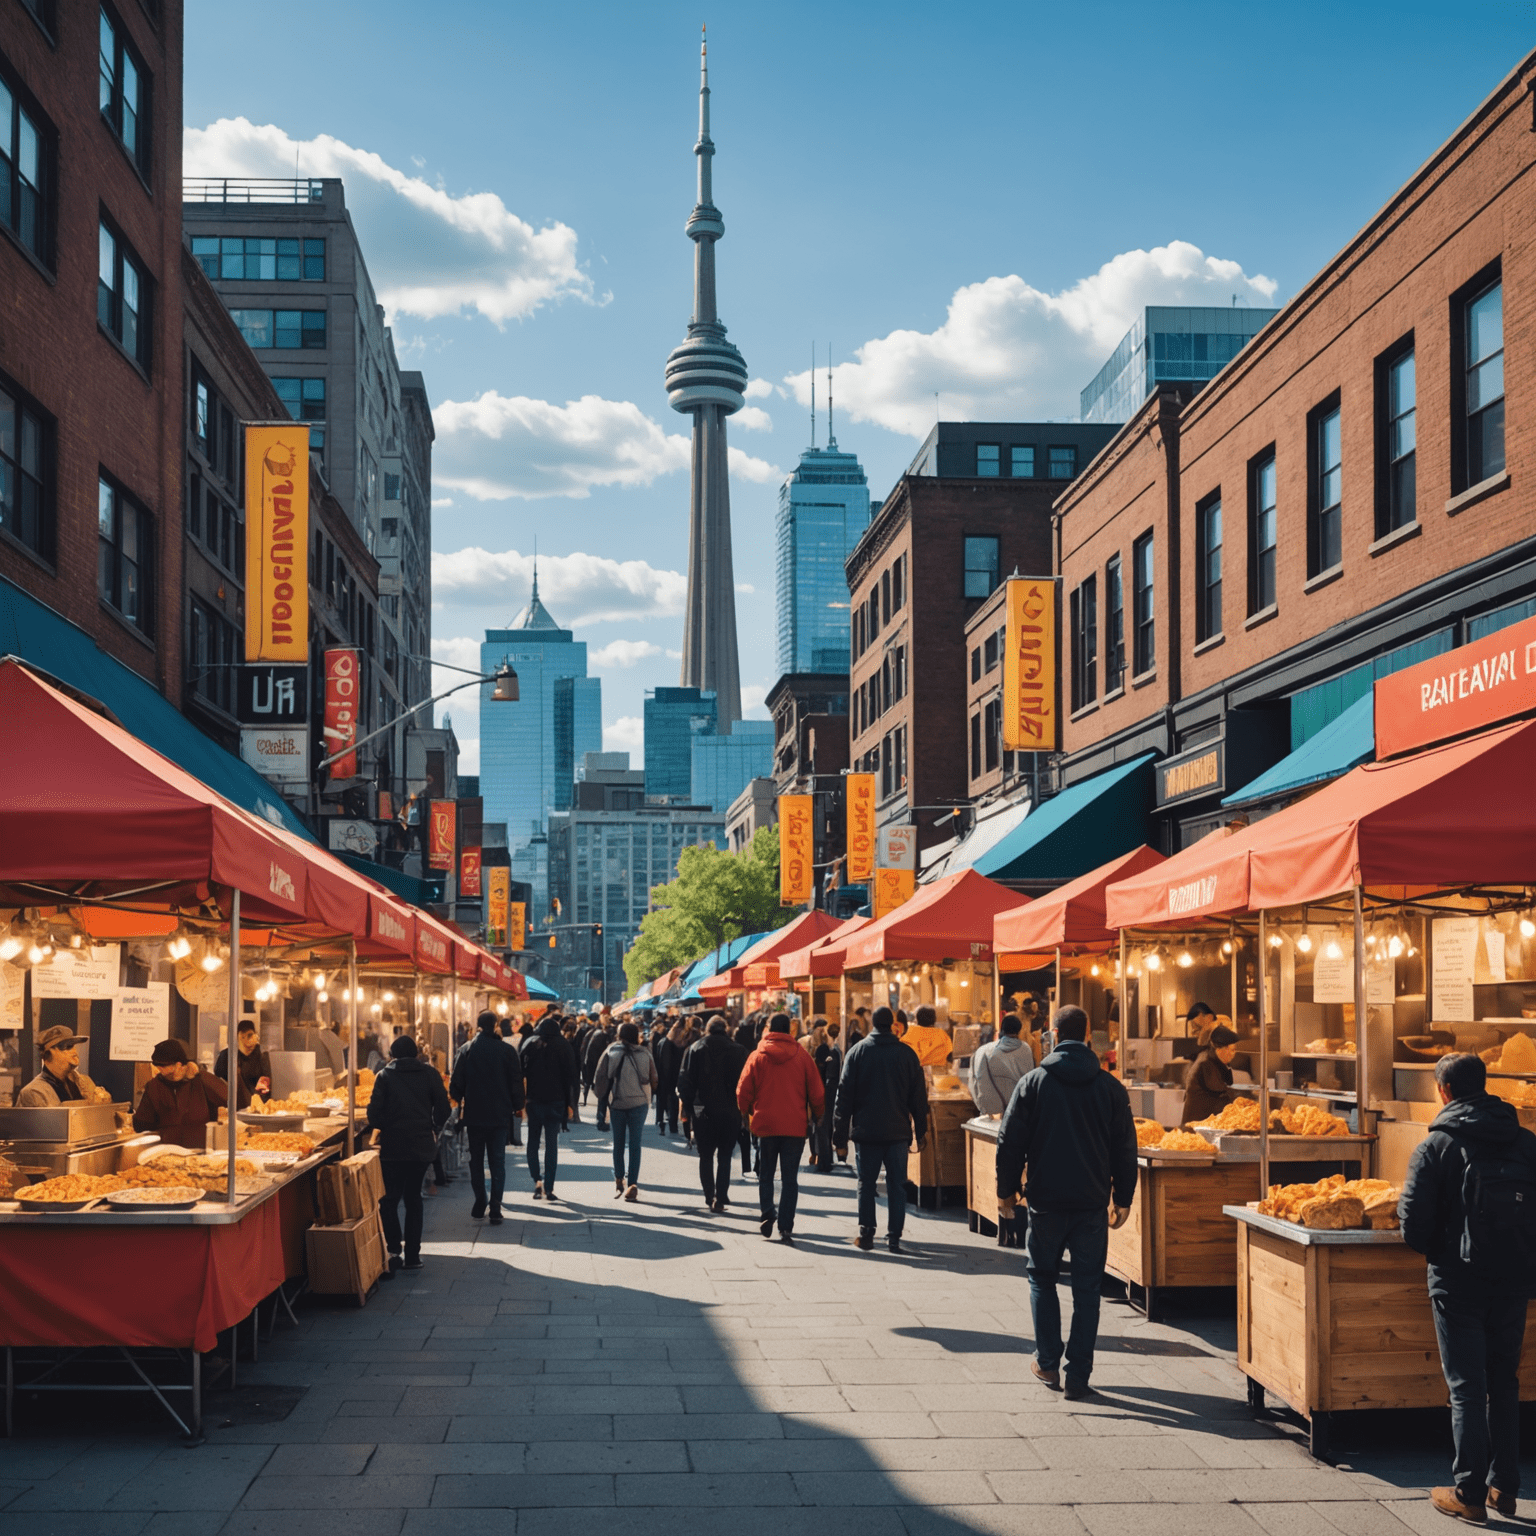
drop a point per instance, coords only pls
(59, 1037)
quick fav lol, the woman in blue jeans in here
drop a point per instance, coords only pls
(627, 1075)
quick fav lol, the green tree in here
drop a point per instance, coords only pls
(716, 897)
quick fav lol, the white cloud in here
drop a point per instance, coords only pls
(754, 418)
(621, 653)
(1007, 351)
(462, 709)
(626, 734)
(430, 252)
(675, 655)
(752, 705)
(577, 589)
(758, 389)
(745, 586)
(498, 447)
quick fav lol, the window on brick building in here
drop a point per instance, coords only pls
(26, 471)
(1114, 626)
(981, 563)
(885, 597)
(899, 768)
(1396, 439)
(124, 543)
(124, 91)
(305, 399)
(26, 157)
(976, 746)
(900, 668)
(1483, 387)
(46, 14)
(1022, 466)
(1084, 626)
(898, 583)
(122, 295)
(885, 766)
(1263, 532)
(992, 734)
(213, 655)
(1063, 463)
(1208, 568)
(989, 459)
(1325, 489)
(1143, 607)
(976, 665)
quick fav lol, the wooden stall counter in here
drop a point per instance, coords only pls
(981, 1172)
(943, 1162)
(1335, 1321)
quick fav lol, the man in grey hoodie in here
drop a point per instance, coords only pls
(998, 1065)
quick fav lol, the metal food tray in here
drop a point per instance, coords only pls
(49, 1206)
(117, 1203)
(259, 1121)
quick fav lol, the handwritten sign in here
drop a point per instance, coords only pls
(1453, 956)
(12, 982)
(141, 1019)
(88, 973)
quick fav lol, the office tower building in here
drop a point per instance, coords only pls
(674, 717)
(724, 765)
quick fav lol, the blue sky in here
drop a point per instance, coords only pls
(967, 202)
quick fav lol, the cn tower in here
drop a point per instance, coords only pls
(706, 378)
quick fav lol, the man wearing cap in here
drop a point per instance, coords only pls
(61, 1081)
(180, 1099)
(1208, 1088)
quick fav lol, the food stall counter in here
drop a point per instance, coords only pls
(942, 1163)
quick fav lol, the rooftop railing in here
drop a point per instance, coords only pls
(251, 189)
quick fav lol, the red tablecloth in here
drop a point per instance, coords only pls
(138, 1286)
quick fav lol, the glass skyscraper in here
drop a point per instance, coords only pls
(529, 750)
(823, 512)
(1168, 344)
(673, 717)
(723, 766)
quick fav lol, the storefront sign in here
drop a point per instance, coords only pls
(341, 701)
(272, 696)
(517, 924)
(1030, 700)
(896, 848)
(1453, 961)
(431, 947)
(860, 790)
(1193, 775)
(90, 973)
(797, 821)
(498, 892)
(440, 834)
(892, 888)
(141, 1019)
(277, 543)
(358, 837)
(1465, 690)
(469, 872)
(279, 754)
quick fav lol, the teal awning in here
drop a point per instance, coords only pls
(46, 640)
(1086, 825)
(712, 964)
(421, 893)
(538, 991)
(1348, 739)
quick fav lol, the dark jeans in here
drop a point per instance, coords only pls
(745, 1138)
(716, 1142)
(402, 1181)
(1480, 1338)
(666, 1109)
(602, 1111)
(627, 1126)
(870, 1157)
(488, 1143)
(821, 1141)
(1085, 1234)
(781, 1154)
(545, 1120)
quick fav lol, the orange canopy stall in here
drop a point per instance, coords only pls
(948, 920)
(759, 966)
(822, 957)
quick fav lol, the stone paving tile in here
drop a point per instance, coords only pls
(1365, 1517)
(991, 1520)
(379, 1491)
(398, 1430)
(53, 1523)
(729, 1489)
(314, 1522)
(1139, 1520)
(1118, 1453)
(880, 1426)
(887, 1486)
(712, 1520)
(519, 1491)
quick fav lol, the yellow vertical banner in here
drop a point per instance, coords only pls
(797, 849)
(860, 791)
(498, 892)
(1030, 685)
(277, 543)
(516, 925)
(892, 888)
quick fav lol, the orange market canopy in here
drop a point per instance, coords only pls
(1072, 916)
(1460, 814)
(822, 958)
(948, 920)
(761, 966)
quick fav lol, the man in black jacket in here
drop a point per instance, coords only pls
(1069, 1130)
(408, 1108)
(487, 1087)
(882, 1102)
(1475, 1155)
(552, 1084)
(593, 1052)
(706, 1084)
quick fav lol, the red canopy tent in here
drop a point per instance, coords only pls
(1461, 814)
(824, 957)
(948, 920)
(759, 966)
(1072, 916)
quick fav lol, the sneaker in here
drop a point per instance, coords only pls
(477, 1210)
(632, 1193)
(495, 1215)
(550, 1195)
(765, 1226)
(538, 1191)
(412, 1264)
(1051, 1378)
(1504, 1503)
(865, 1238)
(1076, 1391)
(1450, 1502)
(785, 1237)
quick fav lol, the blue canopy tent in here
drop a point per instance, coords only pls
(1341, 745)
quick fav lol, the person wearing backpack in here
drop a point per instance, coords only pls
(1469, 1206)
(626, 1079)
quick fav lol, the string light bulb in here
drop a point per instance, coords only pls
(1275, 941)
(322, 997)
(1154, 961)
(389, 997)
(211, 961)
(1527, 927)
(1093, 970)
(1395, 945)
(1332, 950)
(36, 953)
(179, 947)
(1226, 946)
(1185, 959)
(10, 947)
(1304, 943)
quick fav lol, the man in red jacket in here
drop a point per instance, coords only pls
(781, 1090)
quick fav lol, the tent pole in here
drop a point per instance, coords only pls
(1263, 1062)
(1058, 978)
(352, 1048)
(1232, 937)
(232, 1035)
(1125, 1027)
(1362, 1035)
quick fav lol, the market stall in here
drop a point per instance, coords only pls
(815, 972)
(755, 979)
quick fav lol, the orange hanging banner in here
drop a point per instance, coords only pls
(440, 834)
(1030, 690)
(498, 891)
(341, 699)
(517, 925)
(860, 790)
(797, 849)
(892, 888)
(469, 872)
(277, 543)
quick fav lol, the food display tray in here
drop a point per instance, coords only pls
(47, 1207)
(1177, 1155)
(257, 1120)
(185, 1204)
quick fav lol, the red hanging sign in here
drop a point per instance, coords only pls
(341, 700)
(469, 872)
(440, 834)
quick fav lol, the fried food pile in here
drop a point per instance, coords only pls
(162, 1173)
(1513, 1091)
(1335, 1204)
(1186, 1141)
(70, 1187)
(1312, 1120)
(1148, 1133)
(1329, 1045)
(1517, 1054)
(1240, 1115)
(275, 1141)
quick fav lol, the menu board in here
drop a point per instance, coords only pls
(1453, 956)
(1333, 981)
(88, 973)
(141, 1019)
(12, 982)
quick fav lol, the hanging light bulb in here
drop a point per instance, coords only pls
(389, 997)
(1395, 946)
(179, 947)
(1226, 946)
(1304, 943)
(1093, 970)
(322, 997)
(211, 961)
(501, 1008)
(377, 1009)
(1332, 949)
(1527, 927)
(1185, 959)
(1275, 941)
(1154, 961)
(36, 953)
(10, 947)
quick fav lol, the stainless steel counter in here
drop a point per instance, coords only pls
(1307, 1237)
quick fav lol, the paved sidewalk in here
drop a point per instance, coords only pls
(593, 1357)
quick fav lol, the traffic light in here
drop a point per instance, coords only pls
(597, 930)
(551, 941)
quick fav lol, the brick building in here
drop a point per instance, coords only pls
(1345, 498)
(90, 321)
(973, 507)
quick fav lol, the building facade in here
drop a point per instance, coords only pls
(823, 512)
(757, 806)
(674, 718)
(724, 765)
(1345, 498)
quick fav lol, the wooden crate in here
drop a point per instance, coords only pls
(1176, 1234)
(942, 1162)
(347, 1258)
(349, 1189)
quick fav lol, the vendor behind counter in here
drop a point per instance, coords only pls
(61, 1081)
(255, 1070)
(930, 1042)
(1208, 1088)
(180, 1099)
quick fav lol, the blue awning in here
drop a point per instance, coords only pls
(36, 634)
(712, 964)
(1086, 825)
(1334, 750)
(420, 893)
(538, 991)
